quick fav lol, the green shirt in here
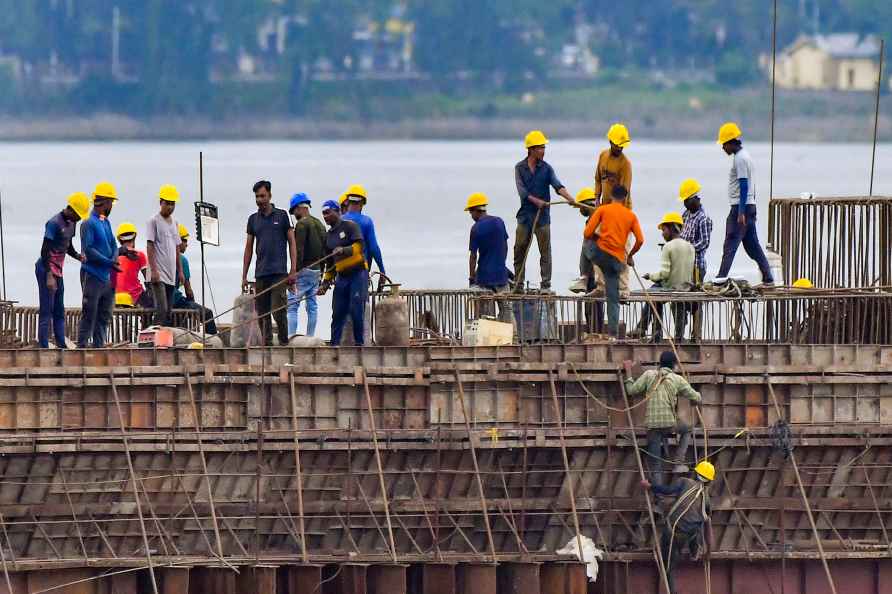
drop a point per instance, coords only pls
(676, 264)
(309, 235)
(663, 387)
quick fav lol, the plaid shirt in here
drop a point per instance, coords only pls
(663, 395)
(697, 231)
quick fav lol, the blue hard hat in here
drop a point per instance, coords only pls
(331, 204)
(298, 199)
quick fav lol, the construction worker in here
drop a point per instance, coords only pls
(163, 249)
(741, 224)
(588, 202)
(183, 296)
(687, 516)
(309, 236)
(662, 387)
(129, 290)
(613, 167)
(697, 228)
(675, 274)
(272, 229)
(57, 243)
(100, 259)
(534, 179)
(488, 250)
(356, 198)
(609, 227)
(343, 242)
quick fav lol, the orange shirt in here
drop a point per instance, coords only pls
(616, 223)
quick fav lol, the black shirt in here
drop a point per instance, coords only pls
(271, 235)
(344, 234)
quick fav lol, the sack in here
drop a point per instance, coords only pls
(245, 333)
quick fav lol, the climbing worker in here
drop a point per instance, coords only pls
(100, 259)
(356, 200)
(588, 202)
(613, 167)
(675, 274)
(609, 227)
(129, 290)
(58, 234)
(271, 227)
(162, 249)
(697, 228)
(488, 250)
(687, 517)
(309, 236)
(741, 223)
(662, 387)
(183, 296)
(343, 242)
(534, 179)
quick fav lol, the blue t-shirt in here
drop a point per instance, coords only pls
(538, 183)
(489, 240)
(98, 246)
(371, 249)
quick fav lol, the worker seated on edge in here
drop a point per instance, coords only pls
(675, 274)
(129, 289)
(488, 250)
(661, 388)
(686, 513)
(187, 300)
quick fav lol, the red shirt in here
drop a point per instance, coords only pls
(127, 281)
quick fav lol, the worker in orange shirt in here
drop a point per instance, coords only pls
(608, 251)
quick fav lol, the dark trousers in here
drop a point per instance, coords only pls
(735, 234)
(611, 269)
(679, 314)
(670, 548)
(96, 311)
(351, 291)
(522, 240)
(52, 309)
(272, 303)
(163, 296)
(656, 439)
(180, 302)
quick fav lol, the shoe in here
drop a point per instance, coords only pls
(579, 285)
(596, 292)
(680, 469)
(765, 285)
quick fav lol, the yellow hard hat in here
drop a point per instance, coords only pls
(803, 283)
(586, 195)
(729, 131)
(80, 204)
(169, 192)
(124, 229)
(184, 233)
(343, 198)
(535, 138)
(619, 135)
(476, 200)
(689, 187)
(195, 345)
(706, 470)
(671, 218)
(358, 191)
(105, 190)
(124, 299)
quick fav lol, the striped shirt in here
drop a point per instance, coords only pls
(697, 230)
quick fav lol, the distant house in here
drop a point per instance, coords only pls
(839, 62)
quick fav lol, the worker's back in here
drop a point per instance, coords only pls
(688, 506)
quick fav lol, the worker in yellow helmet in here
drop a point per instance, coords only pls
(100, 264)
(183, 296)
(741, 224)
(488, 250)
(686, 509)
(162, 245)
(675, 274)
(535, 179)
(613, 167)
(129, 290)
(58, 236)
(587, 202)
(697, 228)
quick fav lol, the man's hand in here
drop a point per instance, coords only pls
(82, 258)
(51, 281)
(116, 267)
(472, 281)
(627, 366)
(244, 284)
(631, 262)
(323, 288)
(646, 276)
(292, 277)
(190, 296)
(335, 253)
(741, 219)
(382, 280)
(538, 202)
(645, 484)
(182, 279)
(155, 276)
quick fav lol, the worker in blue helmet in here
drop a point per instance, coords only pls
(309, 235)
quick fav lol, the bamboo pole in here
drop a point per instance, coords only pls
(559, 418)
(298, 473)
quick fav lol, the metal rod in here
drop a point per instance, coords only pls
(297, 472)
(201, 243)
(559, 418)
(876, 118)
(773, 99)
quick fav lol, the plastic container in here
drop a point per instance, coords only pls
(486, 332)
(536, 320)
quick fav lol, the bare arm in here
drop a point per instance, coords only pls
(153, 269)
(246, 259)
(472, 268)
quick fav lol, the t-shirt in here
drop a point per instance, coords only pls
(98, 247)
(165, 238)
(309, 234)
(127, 281)
(742, 168)
(538, 183)
(58, 232)
(676, 264)
(612, 171)
(345, 234)
(370, 248)
(270, 233)
(616, 223)
(489, 240)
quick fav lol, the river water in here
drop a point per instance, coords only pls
(416, 191)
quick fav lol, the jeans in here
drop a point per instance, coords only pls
(162, 294)
(611, 269)
(52, 309)
(351, 291)
(272, 303)
(307, 285)
(735, 234)
(96, 311)
(656, 438)
(522, 240)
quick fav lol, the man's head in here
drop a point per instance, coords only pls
(354, 204)
(729, 137)
(615, 150)
(331, 212)
(476, 205)
(619, 194)
(300, 205)
(618, 135)
(668, 360)
(167, 208)
(168, 196)
(184, 238)
(78, 207)
(102, 205)
(732, 146)
(704, 471)
(535, 142)
(671, 225)
(104, 196)
(355, 198)
(692, 203)
(126, 234)
(263, 194)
